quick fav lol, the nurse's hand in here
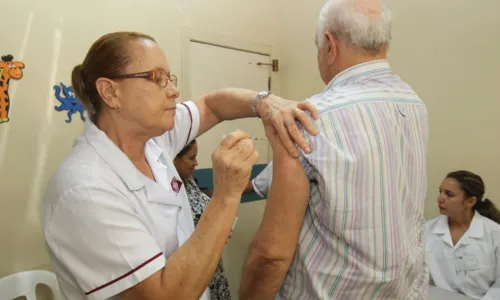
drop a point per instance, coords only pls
(232, 163)
(283, 116)
(276, 144)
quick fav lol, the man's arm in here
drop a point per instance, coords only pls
(273, 247)
(233, 103)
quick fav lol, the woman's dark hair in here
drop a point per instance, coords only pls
(186, 149)
(107, 57)
(473, 186)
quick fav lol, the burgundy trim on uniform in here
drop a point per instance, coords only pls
(125, 275)
(191, 126)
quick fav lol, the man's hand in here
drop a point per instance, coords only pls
(282, 115)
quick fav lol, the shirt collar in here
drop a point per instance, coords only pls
(375, 66)
(442, 226)
(113, 156)
(475, 228)
(155, 152)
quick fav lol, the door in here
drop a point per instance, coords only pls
(210, 68)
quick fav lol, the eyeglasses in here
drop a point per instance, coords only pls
(158, 76)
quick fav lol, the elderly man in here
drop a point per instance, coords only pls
(363, 231)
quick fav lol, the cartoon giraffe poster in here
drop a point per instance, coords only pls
(9, 69)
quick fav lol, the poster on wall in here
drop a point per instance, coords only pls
(69, 102)
(9, 69)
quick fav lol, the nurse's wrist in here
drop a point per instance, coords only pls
(225, 199)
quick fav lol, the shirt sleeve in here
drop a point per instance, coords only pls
(262, 182)
(304, 157)
(187, 125)
(96, 235)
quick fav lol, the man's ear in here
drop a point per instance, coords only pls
(331, 42)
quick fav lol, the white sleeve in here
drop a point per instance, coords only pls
(262, 182)
(98, 237)
(187, 125)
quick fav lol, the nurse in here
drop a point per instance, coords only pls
(463, 245)
(115, 215)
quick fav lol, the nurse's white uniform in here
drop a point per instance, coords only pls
(107, 226)
(472, 266)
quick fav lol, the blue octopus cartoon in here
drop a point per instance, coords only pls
(69, 102)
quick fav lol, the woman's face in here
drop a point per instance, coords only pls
(144, 103)
(452, 201)
(187, 163)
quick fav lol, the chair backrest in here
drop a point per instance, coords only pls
(24, 284)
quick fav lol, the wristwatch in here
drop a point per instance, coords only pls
(260, 95)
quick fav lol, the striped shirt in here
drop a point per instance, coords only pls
(363, 233)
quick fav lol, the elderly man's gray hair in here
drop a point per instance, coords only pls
(364, 24)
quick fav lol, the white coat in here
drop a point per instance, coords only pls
(107, 226)
(472, 266)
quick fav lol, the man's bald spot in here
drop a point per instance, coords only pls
(370, 8)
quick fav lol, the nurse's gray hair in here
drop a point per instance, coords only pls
(364, 24)
(473, 186)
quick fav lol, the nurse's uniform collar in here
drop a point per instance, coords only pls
(475, 229)
(113, 156)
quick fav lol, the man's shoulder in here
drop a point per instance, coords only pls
(360, 93)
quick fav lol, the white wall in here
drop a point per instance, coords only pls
(448, 51)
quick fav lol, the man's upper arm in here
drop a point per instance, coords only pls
(187, 125)
(96, 235)
(306, 159)
(262, 182)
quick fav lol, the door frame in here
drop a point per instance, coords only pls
(196, 35)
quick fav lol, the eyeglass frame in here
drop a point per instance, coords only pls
(149, 75)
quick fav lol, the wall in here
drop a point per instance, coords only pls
(448, 51)
(51, 37)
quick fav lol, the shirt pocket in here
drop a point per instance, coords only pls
(484, 276)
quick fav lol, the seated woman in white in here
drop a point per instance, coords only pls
(463, 245)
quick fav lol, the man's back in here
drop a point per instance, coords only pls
(363, 234)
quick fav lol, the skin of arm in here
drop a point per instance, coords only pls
(274, 244)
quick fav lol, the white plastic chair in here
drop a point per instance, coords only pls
(24, 284)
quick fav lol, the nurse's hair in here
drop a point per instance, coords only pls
(107, 57)
(185, 149)
(362, 24)
(473, 186)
